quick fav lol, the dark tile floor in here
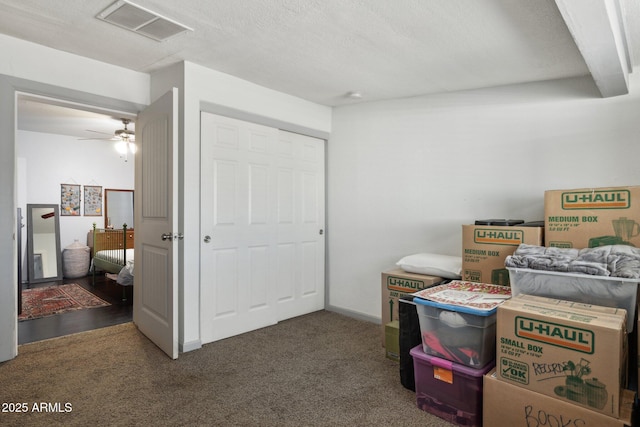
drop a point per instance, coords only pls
(81, 320)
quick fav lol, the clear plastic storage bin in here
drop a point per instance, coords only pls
(464, 336)
(449, 390)
(606, 291)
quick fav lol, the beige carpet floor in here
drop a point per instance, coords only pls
(321, 369)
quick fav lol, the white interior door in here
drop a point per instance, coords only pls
(238, 259)
(300, 224)
(155, 300)
(260, 239)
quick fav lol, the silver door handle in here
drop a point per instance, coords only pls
(207, 239)
(167, 236)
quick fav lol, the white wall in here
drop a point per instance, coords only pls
(38, 63)
(404, 175)
(37, 69)
(47, 160)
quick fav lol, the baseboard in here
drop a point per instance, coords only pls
(190, 346)
(354, 314)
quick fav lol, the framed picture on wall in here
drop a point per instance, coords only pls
(69, 199)
(92, 200)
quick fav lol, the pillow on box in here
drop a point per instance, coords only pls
(446, 266)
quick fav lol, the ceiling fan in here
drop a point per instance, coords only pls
(125, 138)
(119, 135)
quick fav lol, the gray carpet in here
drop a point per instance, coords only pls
(321, 369)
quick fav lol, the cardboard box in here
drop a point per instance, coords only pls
(568, 353)
(508, 405)
(485, 247)
(592, 217)
(392, 340)
(397, 283)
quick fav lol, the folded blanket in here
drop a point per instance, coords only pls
(611, 260)
(586, 267)
(624, 265)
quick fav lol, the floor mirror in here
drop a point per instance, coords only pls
(44, 257)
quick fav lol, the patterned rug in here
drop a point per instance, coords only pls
(42, 302)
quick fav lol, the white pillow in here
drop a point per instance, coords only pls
(446, 266)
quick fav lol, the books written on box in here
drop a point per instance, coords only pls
(506, 404)
(469, 297)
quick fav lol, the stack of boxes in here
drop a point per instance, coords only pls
(458, 327)
(561, 355)
(560, 358)
(447, 381)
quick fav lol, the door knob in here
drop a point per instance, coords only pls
(167, 236)
(207, 239)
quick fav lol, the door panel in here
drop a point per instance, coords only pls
(300, 224)
(226, 277)
(262, 206)
(155, 302)
(237, 265)
(286, 271)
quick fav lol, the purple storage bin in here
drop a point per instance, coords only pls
(449, 390)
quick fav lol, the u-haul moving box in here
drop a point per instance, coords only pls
(485, 247)
(592, 217)
(568, 353)
(397, 283)
(509, 405)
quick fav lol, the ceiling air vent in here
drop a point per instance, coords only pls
(142, 21)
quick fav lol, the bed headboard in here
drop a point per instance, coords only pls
(104, 238)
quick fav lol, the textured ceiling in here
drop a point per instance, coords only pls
(320, 50)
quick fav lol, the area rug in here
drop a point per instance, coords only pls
(42, 302)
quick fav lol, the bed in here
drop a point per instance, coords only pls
(112, 252)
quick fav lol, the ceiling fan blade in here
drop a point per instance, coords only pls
(97, 131)
(98, 139)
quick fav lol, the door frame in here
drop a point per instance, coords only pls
(10, 88)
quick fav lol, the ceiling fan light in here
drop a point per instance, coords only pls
(121, 147)
(133, 147)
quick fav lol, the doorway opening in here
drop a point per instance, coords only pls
(62, 145)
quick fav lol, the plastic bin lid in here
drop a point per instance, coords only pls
(481, 299)
(418, 353)
(532, 224)
(505, 222)
(490, 221)
(407, 299)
